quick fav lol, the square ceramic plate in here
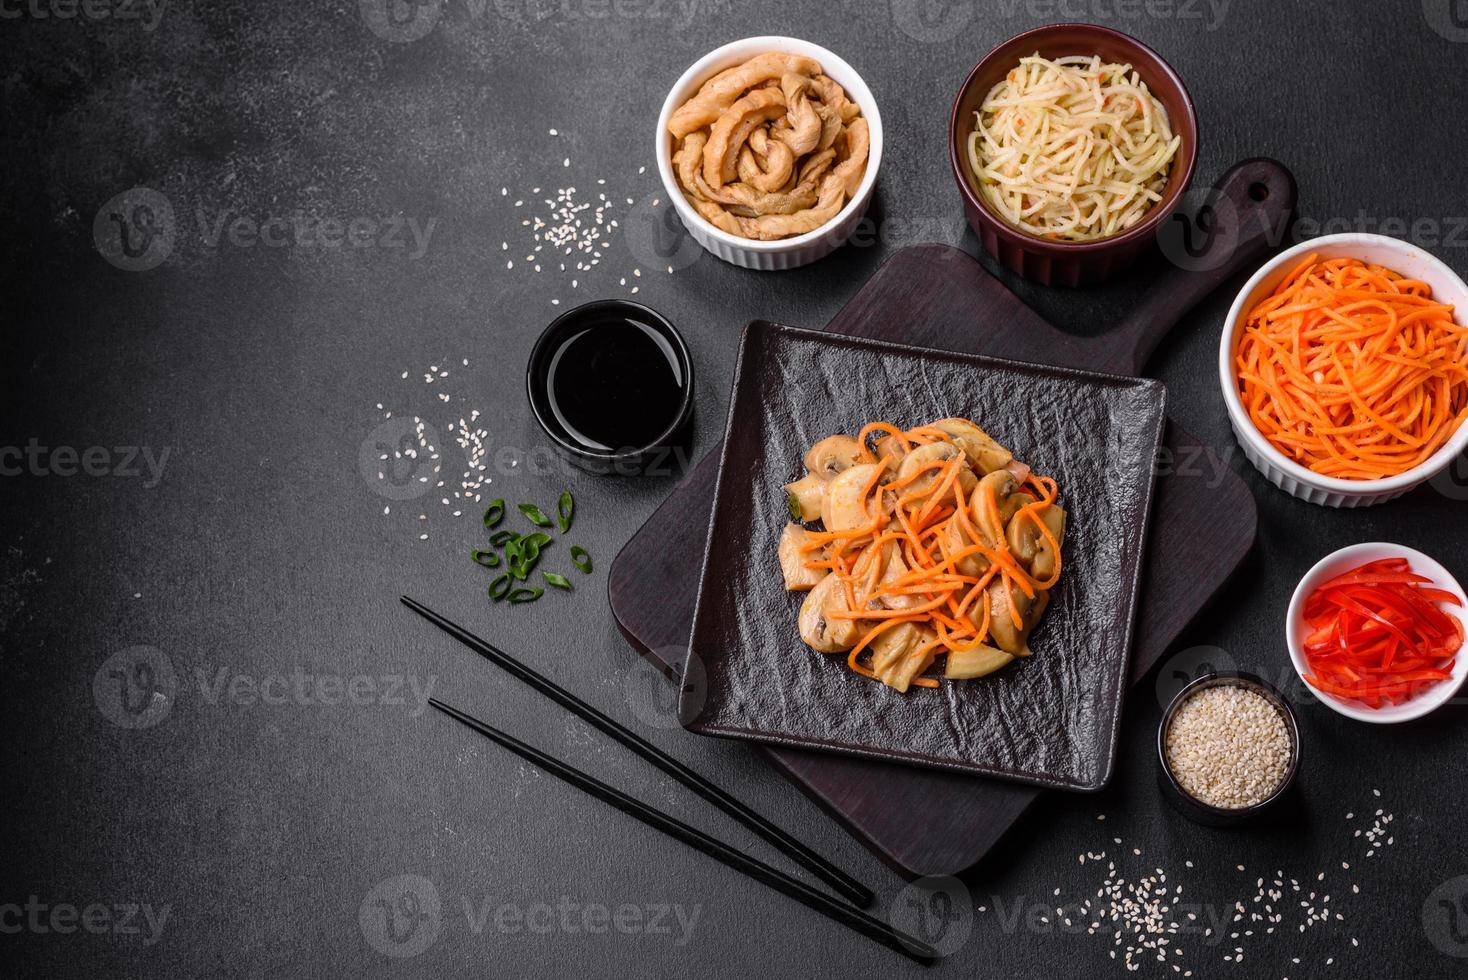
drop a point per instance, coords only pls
(1050, 719)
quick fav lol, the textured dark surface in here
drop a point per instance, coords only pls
(1049, 719)
(940, 298)
(265, 826)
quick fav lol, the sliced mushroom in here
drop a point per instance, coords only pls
(798, 578)
(804, 497)
(892, 644)
(899, 674)
(893, 568)
(833, 455)
(955, 540)
(1032, 548)
(843, 507)
(966, 663)
(1006, 636)
(820, 633)
(986, 454)
(920, 457)
(890, 448)
(1008, 500)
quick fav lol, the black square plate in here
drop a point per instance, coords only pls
(1050, 719)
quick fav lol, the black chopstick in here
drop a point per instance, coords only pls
(855, 919)
(823, 869)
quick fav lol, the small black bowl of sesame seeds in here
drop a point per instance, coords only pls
(1229, 748)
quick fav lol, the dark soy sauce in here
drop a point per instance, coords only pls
(614, 383)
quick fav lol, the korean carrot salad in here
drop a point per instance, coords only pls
(924, 552)
(1352, 370)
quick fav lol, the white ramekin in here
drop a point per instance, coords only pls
(787, 253)
(1340, 562)
(1397, 255)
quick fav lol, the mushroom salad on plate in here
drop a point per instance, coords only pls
(932, 542)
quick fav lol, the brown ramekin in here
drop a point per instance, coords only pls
(1071, 263)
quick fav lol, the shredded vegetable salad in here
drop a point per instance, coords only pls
(1072, 149)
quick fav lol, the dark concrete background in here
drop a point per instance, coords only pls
(268, 829)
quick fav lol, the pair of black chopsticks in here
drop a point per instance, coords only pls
(839, 880)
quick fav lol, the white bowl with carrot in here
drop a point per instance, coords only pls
(1344, 366)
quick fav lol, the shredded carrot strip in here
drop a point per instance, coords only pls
(1352, 370)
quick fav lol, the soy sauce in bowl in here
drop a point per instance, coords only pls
(611, 384)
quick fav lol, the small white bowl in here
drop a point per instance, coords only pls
(1343, 561)
(787, 253)
(1397, 255)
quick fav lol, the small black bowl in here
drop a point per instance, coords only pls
(1206, 813)
(650, 456)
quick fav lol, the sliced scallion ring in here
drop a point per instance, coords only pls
(581, 558)
(559, 581)
(525, 595)
(565, 507)
(535, 515)
(486, 558)
(500, 587)
(493, 514)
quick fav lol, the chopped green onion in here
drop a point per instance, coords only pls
(581, 558)
(559, 581)
(525, 595)
(536, 516)
(565, 507)
(500, 587)
(540, 539)
(498, 538)
(493, 514)
(486, 558)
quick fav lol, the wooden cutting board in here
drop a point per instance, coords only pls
(937, 296)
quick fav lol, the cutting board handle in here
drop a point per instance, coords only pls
(1246, 214)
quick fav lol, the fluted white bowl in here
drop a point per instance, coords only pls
(1285, 473)
(798, 250)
